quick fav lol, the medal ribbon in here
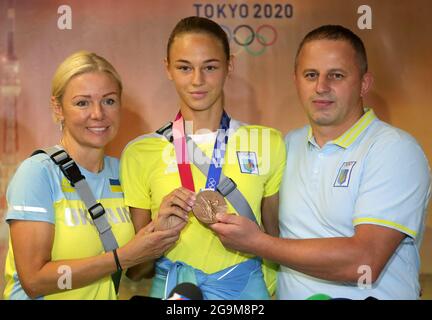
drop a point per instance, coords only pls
(183, 163)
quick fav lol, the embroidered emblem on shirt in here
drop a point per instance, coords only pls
(115, 185)
(248, 162)
(344, 175)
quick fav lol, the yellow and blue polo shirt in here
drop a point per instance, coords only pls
(372, 174)
(40, 192)
(254, 159)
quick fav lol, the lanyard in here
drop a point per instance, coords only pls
(183, 163)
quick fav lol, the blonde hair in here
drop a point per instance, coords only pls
(78, 63)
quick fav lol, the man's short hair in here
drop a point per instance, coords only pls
(337, 32)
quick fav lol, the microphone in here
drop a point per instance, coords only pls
(322, 296)
(319, 296)
(185, 291)
(144, 298)
(182, 291)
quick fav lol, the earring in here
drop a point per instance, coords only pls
(61, 125)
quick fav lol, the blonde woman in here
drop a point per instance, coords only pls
(55, 250)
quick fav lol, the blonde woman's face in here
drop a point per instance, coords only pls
(90, 110)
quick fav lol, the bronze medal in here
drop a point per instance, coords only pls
(208, 203)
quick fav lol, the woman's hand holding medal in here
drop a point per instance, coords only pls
(174, 209)
(176, 206)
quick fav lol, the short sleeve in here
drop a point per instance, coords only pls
(135, 186)
(277, 160)
(395, 187)
(30, 194)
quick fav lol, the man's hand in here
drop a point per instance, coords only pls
(237, 232)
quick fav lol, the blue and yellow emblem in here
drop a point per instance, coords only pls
(115, 185)
(344, 174)
(248, 162)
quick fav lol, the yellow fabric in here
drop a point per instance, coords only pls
(75, 238)
(386, 223)
(348, 138)
(353, 133)
(148, 172)
(66, 186)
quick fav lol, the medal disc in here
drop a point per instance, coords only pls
(208, 203)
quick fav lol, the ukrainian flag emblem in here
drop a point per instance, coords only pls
(115, 185)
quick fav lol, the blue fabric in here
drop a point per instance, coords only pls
(43, 177)
(215, 168)
(243, 281)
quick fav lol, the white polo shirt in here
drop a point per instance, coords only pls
(372, 174)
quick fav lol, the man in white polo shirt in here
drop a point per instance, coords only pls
(355, 190)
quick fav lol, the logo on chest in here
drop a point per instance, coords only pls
(115, 185)
(248, 162)
(344, 175)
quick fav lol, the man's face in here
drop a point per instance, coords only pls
(329, 83)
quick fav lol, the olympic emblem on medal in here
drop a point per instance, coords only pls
(254, 41)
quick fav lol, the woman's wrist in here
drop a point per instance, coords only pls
(117, 261)
(123, 258)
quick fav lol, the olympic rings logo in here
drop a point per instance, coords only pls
(244, 36)
(212, 183)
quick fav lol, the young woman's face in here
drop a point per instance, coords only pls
(198, 67)
(90, 110)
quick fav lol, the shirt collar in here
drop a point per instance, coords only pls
(351, 135)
